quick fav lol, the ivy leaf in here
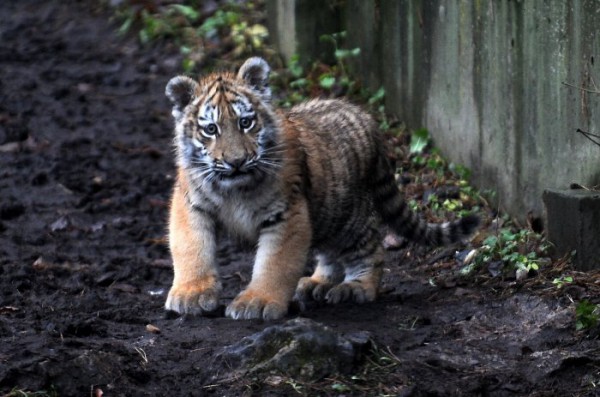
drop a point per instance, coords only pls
(327, 81)
(377, 96)
(586, 315)
(419, 140)
(187, 11)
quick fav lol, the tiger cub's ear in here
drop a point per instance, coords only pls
(180, 90)
(255, 72)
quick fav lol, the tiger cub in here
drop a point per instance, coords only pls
(315, 178)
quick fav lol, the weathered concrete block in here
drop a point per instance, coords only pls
(573, 223)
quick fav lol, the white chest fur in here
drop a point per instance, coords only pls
(240, 218)
(245, 216)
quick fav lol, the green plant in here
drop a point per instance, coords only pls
(295, 385)
(173, 21)
(231, 27)
(462, 172)
(15, 392)
(375, 101)
(340, 54)
(517, 249)
(322, 78)
(340, 387)
(419, 141)
(212, 26)
(562, 280)
(586, 315)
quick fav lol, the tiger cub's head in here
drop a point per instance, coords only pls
(226, 133)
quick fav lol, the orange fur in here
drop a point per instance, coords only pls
(315, 177)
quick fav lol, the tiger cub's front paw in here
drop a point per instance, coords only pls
(195, 297)
(250, 304)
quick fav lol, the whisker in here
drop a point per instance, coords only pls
(270, 163)
(200, 173)
(272, 150)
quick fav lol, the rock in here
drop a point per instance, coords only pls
(300, 348)
(573, 224)
(75, 376)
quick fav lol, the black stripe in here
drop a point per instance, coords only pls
(453, 231)
(197, 207)
(436, 235)
(385, 178)
(201, 210)
(383, 196)
(272, 220)
(468, 224)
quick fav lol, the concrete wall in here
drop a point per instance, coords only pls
(486, 78)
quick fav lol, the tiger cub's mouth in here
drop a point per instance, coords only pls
(235, 173)
(238, 178)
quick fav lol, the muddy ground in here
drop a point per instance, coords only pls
(85, 173)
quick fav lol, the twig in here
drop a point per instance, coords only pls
(590, 136)
(142, 353)
(582, 88)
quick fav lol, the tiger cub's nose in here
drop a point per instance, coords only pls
(236, 163)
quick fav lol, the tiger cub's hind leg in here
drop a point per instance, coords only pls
(327, 274)
(361, 282)
(357, 279)
(363, 269)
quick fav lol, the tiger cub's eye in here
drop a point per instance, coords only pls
(210, 130)
(246, 123)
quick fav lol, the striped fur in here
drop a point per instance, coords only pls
(315, 178)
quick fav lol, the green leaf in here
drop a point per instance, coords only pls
(144, 36)
(586, 315)
(377, 96)
(328, 38)
(299, 83)
(461, 171)
(295, 67)
(326, 81)
(187, 11)
(340, 387)
(419, 140)
(341, 54)
(188, 65)
(126, 26)
(491, 241)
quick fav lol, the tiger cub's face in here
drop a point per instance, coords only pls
(226, 132)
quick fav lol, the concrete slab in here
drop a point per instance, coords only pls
(573, 223)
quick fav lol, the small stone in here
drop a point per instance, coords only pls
(41, 264)
(60, 224)
(274, 380)
(521, 274)
(152, 329)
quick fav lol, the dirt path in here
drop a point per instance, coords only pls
(85, 172)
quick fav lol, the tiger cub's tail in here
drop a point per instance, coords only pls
(396, 213)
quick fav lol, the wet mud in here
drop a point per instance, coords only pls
(86, 170)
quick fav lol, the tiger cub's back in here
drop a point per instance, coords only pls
(351, 179)
(342, 147)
